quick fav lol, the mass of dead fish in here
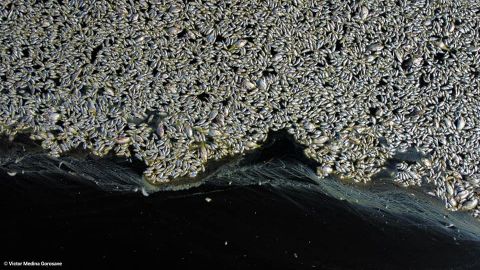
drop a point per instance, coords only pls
(178, 83)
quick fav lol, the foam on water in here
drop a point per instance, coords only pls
(380, 199)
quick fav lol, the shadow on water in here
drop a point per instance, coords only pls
(265, 211)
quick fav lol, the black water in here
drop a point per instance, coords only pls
(269, 226)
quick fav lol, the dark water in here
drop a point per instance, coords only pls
(288, 221)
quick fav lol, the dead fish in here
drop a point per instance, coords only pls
(460, 123)
(160, 130)
(440, 44)
(262, 84)
(375, 47)
(320, 140)
(122, 140)
(248, 84)
(470, 204)
(239, 44)
(363, 12)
